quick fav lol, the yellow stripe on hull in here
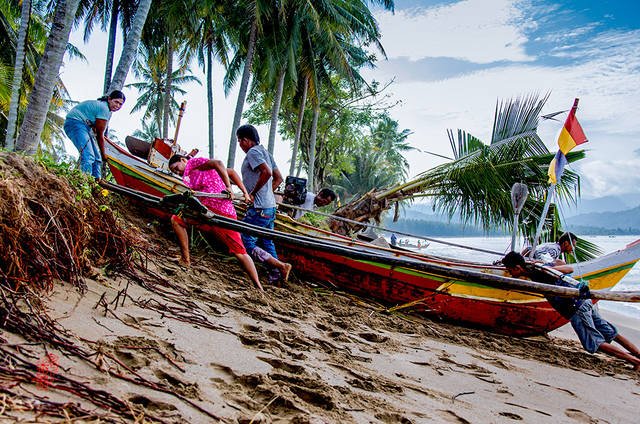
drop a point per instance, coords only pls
(473, 291)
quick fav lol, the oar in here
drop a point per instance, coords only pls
(519, 193)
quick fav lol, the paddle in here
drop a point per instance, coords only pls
(519, 193)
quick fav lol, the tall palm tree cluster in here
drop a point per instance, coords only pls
(296, 56)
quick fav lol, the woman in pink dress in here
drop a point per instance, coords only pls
(211, 176)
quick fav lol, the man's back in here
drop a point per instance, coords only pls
(547, 252)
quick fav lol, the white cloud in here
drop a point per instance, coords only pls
(607, 85)
(603, 178)
(480, 31)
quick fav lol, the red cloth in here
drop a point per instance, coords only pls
(230, 238)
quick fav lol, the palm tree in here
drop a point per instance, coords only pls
(476, 183)
(387, 138)
(130, 48)
(46, 77)
(12, 117)
(209, 39)
(107, 13)
(149, 131)
(254, 13)
(150, 69)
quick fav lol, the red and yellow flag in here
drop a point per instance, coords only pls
(570, 137)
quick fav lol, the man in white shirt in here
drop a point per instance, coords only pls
(550, 252)
(312, 201)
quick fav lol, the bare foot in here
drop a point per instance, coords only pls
(286, 270)
(180, 261)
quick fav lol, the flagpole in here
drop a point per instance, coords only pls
(543, 216)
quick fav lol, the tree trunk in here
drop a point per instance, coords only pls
(167, 88)
(275, 111)
(46, 77)
(210, 98)
(12, 118)
(246, 73)
(130, 46)
(312, 145)
(296, 142)
(113, 29)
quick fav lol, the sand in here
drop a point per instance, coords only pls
(295, 354)
(202, 345)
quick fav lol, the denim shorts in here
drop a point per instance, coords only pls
(591, 328)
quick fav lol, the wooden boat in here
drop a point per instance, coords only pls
(473, 293)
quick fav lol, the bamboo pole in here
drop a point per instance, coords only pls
(183, 105)
(490, 280)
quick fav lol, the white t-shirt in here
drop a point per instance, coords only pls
(547, 252)
(308, 204)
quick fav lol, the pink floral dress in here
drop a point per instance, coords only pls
(208, 181)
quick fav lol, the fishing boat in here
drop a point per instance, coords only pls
(477, 294)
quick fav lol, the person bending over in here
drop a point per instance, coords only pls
(312, 201)
(211, 176)
(86, 119)
(550, 252)
(595, 333)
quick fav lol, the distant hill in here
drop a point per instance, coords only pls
(624, 220)
(605, 204)
(609, 215)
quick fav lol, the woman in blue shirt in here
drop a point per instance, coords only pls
(85, 118)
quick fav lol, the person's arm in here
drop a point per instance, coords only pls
(100, 126)
(277, 179)
(265, 174)
(220, 169)
(565, 269)
(235, 178)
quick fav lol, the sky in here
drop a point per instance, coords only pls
(450, 61)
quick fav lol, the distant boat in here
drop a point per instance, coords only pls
(479, 294)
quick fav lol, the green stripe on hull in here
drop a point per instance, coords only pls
(141, 177)
(609, 271)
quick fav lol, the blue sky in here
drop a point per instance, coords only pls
(451, 61)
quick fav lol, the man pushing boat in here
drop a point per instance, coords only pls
(261, 175)
(595, 333)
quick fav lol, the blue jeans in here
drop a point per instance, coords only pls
(82, 137)
(262, 218)
(591, 328)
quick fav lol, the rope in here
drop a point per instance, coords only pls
(375, 227)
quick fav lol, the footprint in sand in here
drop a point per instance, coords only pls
(393, 418)
(511, 415)
(151, 405)
(580, 416)
(451, 417)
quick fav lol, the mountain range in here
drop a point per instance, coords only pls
(603, 215)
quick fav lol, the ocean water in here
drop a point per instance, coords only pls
(608, 244)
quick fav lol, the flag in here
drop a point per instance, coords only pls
(570, 137)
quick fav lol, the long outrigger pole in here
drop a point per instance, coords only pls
(198, 213)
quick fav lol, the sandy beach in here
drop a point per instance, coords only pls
(224, 352)
(150, 341)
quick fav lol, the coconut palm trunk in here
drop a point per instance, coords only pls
(246, 73)
(296, 142)
(12, 118)
(210, 98)
(46, 77)
(113, 29)
(130, 46)
(275, 111)
(312, 145)
(167, 87)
